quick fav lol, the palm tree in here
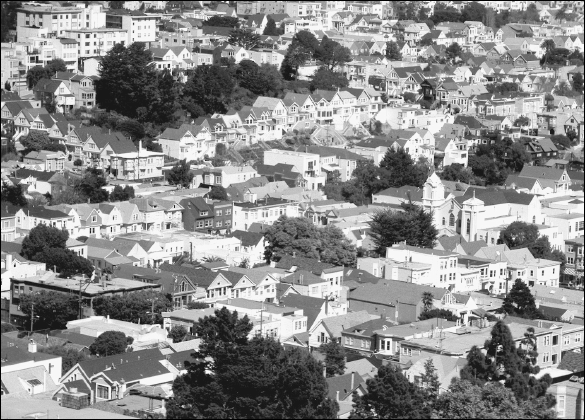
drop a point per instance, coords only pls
(548, 45)
(427, 301)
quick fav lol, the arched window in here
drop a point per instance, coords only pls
(451, 220)
(468, 228)
(443, 221)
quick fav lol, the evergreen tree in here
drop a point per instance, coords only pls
(243, 38)
(430, 380)
(326, 79)
(13, 194)
(400, 169)
(240, 378)
(180, 174)
(390, 395)
(301, 49)
(142, 307)
(521, 302)
(270, 28)
(519, 235)
(332, 54)
(218, 193)
(393, 51)
(334, 358)
(476, 369)
(414, 225)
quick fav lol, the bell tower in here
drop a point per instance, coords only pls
(433, 192)
(471, 217)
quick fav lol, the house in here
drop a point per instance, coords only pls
(41, 182)
(108, 378)
(313, 308)
(48, 161)
(398, 301)
(329, 329)
(190, 142)
(446, 368)
(8, 214)
(341, 389)
(253, 243)
(81, 86)
(54, 93)
(558, 179)
(198, 214)
(28, 218)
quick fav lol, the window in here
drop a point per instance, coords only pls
(555, 340)
(228, 212)
(218, 212)
(561, 406)
(451, 220)
(545, 357)
(577, 337)
(546, 340)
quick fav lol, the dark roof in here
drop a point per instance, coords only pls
(310, 264)
(202, 277)
(449, 243)
(39, 175)
(73, 337)
(93, 366)
(553, 312)
(248, 238)
(44, 213)
(311, 306)
(342, 384)
(492, 197)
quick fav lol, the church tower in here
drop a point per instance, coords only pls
(472, 216)
(433, 192)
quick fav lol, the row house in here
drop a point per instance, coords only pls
(265, 211)
(41, 182)
(223, 129)
(153, 214)
(137, 165)
(33, 119)
(55, 93)
(28, 218)
(189, 142)
(82, 87)
(299, 107)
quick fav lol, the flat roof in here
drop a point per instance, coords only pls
(193, 315)
(50, 281)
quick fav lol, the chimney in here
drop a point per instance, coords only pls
(8, 261)
(337, 396)
(352, 374)
(325, 373)
(326, 306)
(107, 319)
(32, 346)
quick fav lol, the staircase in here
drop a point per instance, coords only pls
(234, 154)
(263, 145)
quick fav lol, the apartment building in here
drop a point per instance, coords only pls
(227, 175)
(140, 27)
(139, 165)
(307, 164)
(574, 252)
(265, 211)
(93, 42)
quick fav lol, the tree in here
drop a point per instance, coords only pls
(69, 357)
(476, 369)
(52, 310)
(180, 174)
(562, 140)
(430, 380)
(109, 343)
(548, 45)
(300, 235)
(473, 11)
(34, 74)
(578, 82)
(128, 81)
(90, 186)
(393, 51)
(301, 49)
(178, 333)
(195, 304)
(122, 194)
(332, 54)
(217, 193)
(454, 51)
(223, 21)
(208, 90)
(326, 79)
(519, 235)
(466, 400)
(46, 244)
(438, 313)
(414, 225)
(390, 395)
(334, 358)
(400, 169)
(427, 301)
(244, 38)
(522, 121)
(77, 162)
(13, 194)
(35, 140)
(456, 172)
(270, 28)
(241, 378)
(144, 307)
(520, 301)
(54, 66)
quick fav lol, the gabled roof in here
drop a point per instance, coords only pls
(200, 276)
(311, 306)
(336, 324)
(541, 172)
(247, 238)
(47, 85)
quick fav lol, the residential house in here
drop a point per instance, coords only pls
(82, 87)
(265, 211)
(329, 329)
(48, 161)
(54, 93)
(198, 214)
(188, 142)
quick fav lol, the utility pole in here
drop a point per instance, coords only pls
(32, 316)
(80, 299)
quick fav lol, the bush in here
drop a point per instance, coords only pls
(78, 162)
